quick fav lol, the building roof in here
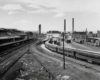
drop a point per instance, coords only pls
(10, 33)
(14, 31)
(82, 33)
(18, 32)
(54, 32)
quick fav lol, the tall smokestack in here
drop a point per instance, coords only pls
(65, 25)
(72, 25)
(86, 34)
(39, 28)
(86, 30)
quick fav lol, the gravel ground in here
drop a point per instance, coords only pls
(32, 69)
(27, 68)
(71, 71)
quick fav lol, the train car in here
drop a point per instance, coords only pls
(67, 51)
(90, 56)
(70, 52)
(52, 47)
(60, 50)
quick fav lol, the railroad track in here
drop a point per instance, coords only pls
(50, 75)
(4, 53)
(10, 61)
(10, 52)
(89, 66)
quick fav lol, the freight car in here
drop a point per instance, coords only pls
(89, 56)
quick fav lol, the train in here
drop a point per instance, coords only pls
(85, 55)
(10, 38)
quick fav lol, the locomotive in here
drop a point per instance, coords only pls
(89, 56)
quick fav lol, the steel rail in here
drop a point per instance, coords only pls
(5, 53)
(5, 66)
(44, 67)
(48, 71)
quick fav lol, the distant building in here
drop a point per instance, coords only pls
(79, 36)
(53, 34)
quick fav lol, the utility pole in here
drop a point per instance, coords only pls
(63, 43)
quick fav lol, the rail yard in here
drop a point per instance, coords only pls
(41, 63)
(31, 56)
(55, 55)
(49, 40)
(28, 55)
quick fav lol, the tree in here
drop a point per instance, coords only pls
(90, 32)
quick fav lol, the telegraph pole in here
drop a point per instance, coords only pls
(63, 43)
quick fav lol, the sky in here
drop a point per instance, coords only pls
(28, 14)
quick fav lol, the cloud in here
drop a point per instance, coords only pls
(12, 12)
(43, 11)
(59, 15)
(34, 6)
(23, 25)
(12, 7)
(40, 11)
(66, 5)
